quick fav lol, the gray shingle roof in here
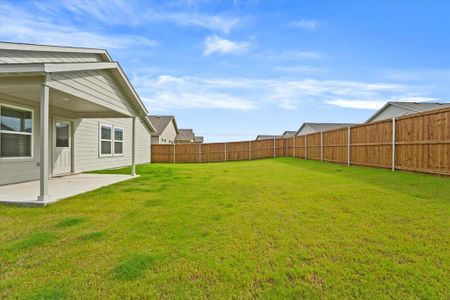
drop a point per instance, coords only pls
(160, 123)
(318, 127)
(185, 135)
(415, 107)
(289, 133)
(198, 139)
(267, 137)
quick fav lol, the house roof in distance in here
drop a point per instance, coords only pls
(185, 135)
(160, 123)
(414, 107)
(267, 137)
(198, 139)
(289, 133)
(318, 127)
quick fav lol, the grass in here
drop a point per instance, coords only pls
(277, 228)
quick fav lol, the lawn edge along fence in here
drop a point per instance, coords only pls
(417, 142)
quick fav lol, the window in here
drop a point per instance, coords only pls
(62, 134)
(118, 141)
(111, 140)
(105, 140)
(16, 132)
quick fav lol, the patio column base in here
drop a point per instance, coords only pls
(44, 198)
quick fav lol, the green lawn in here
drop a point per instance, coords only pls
(276, 228)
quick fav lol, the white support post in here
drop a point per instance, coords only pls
(306, 145)
(293, 147)
(321, 146)
(133, 147)
(348, 146)
(249, 150)
(393, 144)
(44, 154)
(225, 153)
(273, 147)
(174, 153)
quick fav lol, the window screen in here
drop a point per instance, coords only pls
(15, 132)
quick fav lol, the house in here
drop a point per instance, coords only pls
(308, 128)
(185, 136)
(289, 134)
(66, 110)
(398, 109)
(166, 129)
(198, 139)
(267, 137)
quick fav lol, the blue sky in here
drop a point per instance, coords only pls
(234, 69)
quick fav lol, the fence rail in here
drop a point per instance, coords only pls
(418, 142)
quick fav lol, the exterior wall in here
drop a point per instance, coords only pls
(15, 56)
(96, 86)
(85, 145)
(392, 111)
(22, 169)
(306, 130)
(168, 134)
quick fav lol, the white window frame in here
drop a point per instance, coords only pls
(100, 140)
(19, 133)
(114, 138)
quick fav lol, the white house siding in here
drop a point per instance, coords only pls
(15, 56)
(95, 85)
(167, 136)
(392, 111)
(16, 170)
(86, 146)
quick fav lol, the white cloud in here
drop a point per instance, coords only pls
(215, 44)
(375, 104)
(19, 25)
(305, 24)
(236, 93)
(168, 92)
(299, 69)
(130, 13)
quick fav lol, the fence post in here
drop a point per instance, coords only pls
(174, 153)
(348, 146)
(273, 147)
(249, 150)
(393, 144)
(293, 147)
(306, 145)
(225, 151)
(321, 146)
(200, 152)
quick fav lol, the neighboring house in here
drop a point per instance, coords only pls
(66, 110)
(398, 109)
(166, 129)
(267, 137)
(289, 134)
(185, 136)
(198, 139)
(308, 128)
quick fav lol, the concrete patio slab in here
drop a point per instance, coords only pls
(25, 194)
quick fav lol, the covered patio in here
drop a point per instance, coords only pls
(24, 194)
(45, 101)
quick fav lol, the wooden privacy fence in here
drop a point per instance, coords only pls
(418, 142)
